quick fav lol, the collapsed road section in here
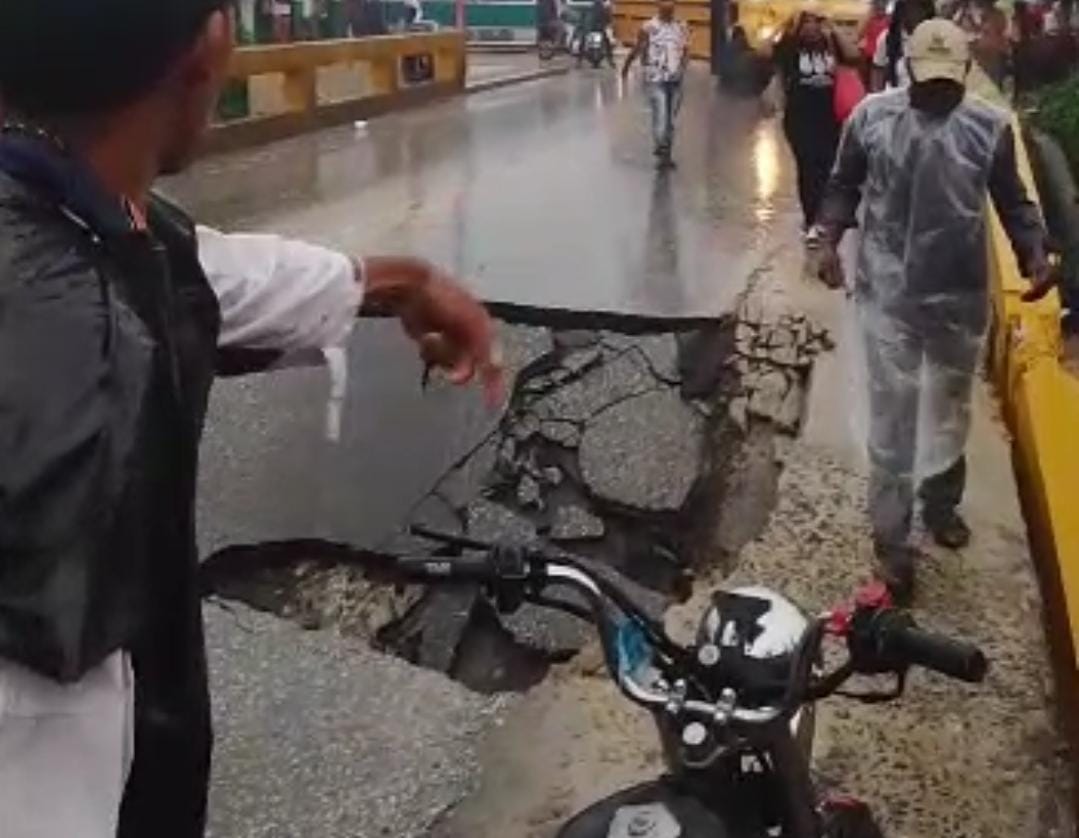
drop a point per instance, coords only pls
(647, 450)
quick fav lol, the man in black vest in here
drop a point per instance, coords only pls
(115, 315)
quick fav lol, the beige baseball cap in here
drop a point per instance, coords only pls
(938, 49)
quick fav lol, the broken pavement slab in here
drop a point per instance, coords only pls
(575, 523)
(643, 452)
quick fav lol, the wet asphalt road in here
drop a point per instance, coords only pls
(541, 194)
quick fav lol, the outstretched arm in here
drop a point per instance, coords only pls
(1020, 216)
(844, 191)
(842, 196)
(453, 331)
(846, 50)
(283, 300)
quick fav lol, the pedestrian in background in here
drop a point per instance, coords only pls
(870, 33)
(806, 59)
(413, 13)
(663, 46)
(986, 27)
(919, 163)
(890, 56)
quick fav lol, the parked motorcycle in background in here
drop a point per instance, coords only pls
(594, 49)
(560, 36)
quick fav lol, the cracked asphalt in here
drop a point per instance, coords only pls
(543, 196)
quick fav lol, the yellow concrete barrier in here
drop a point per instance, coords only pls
(378, 72)
(1041, 407)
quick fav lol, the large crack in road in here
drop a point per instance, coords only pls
(643, 448)
(566, 462)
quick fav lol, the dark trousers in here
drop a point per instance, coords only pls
(813, 140)
(166, 793)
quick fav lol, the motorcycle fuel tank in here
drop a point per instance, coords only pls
(656, 809)
(650, 820)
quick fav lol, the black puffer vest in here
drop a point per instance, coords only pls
(97, 542)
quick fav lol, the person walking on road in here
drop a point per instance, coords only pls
(663, 46)
(986, 26)
(889, 65)
(806, 58)
(870, 32)
(919, 163)
(116, 312)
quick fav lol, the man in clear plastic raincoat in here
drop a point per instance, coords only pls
(919, 164)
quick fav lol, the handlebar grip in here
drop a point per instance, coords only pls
(444, 569)
(955, 658)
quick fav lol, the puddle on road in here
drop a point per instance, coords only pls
(643, 448)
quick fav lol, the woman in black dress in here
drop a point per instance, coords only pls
(806, 57)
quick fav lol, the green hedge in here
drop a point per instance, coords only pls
(1056, 111)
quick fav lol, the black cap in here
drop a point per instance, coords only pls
(81, 57)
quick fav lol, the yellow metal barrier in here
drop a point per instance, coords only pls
(1041, 407)
(377, 69)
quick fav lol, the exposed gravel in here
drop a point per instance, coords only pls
(949, 760)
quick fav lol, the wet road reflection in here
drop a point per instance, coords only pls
(766, 163)
(541, 194)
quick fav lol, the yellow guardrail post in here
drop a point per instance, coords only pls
(296, 69)
(1041, 408)
(300, 90)
(382, 75)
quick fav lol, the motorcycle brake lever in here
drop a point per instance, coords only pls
(878, 696)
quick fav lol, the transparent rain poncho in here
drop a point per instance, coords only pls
(921, 285)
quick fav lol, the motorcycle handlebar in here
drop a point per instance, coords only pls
(900, 640)
(455, 569)
(891, 638)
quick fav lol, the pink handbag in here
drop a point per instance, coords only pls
(849, 91)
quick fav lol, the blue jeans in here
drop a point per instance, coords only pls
(665, 97)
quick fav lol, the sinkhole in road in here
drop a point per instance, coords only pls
(644, 447)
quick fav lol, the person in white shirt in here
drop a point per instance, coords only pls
(889, 69)
(663, 46)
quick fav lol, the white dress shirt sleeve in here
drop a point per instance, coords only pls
(286, 296)
(280, 294)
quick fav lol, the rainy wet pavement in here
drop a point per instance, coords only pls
(543, 198)
(540, 195)
(641, 322)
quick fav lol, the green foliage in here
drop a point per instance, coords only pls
(1056, 111)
